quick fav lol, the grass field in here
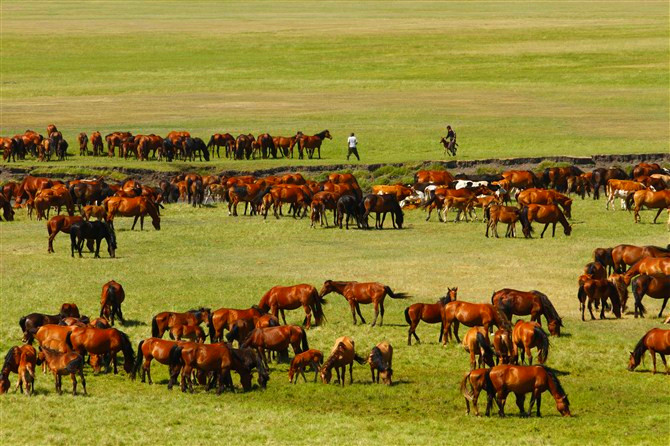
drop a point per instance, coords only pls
(513, 78)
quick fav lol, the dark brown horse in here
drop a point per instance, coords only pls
(310, 143)
(657, 287)
(382, 204)
(225, 318)
(547, 214)
(154, 348)
(20, 360)
(429, 313)
(31, 323)
(629, 255)
(280, 298)
(527, 335)
(471, 315)
(533, 303)
(103, 341)
(277, 339)
(599, 290)
(357, 293)
(655, 340)
(208, 358)
(111, 299)
(164, 321)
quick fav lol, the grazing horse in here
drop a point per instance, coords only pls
(429, 313)
(248, 193)
(31, 323)
(603, 256)
(527, 335)
(521, 179)
(471, 315)
(208, 358)
(103, 341)
(544, 196)
(503, 346)
(111, 299)
(225, 318)
(382, 204)
(218, 140)
(277, 339)
(20, 360)
(476, 342)
(137, 207)
(362, 293)
(285, 144)
(523, 303)
(349, 206)
(64, 363)
(164, 321)
(520, 379)
(599, 289)
(63, 223)
(300, 362)
(193, 333)
(30, 186)
(655, 340)
(547, 214)
(493, 214)
(629, 255)
(96, 143)
(88, 231)
(312, 143)
(381, 361)
(441, 177)
(651, 266)
(647, 198)
(280, 298)
(342, 354)
(478, 381)
(154, 348)
(657, 287)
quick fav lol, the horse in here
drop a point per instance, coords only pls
(362, 293)
(63, 223)
(523, 303)
(599, 289)
(471, 315)
(519, 379)
(30, 186)
(154, 348)
(348, 206)
(381, 361)
(310, 357)
(478, 382)
(208, 358)
(103, 341)
(221, 139)
(64, 363)
(476, 342)
(53, 197)
(111, 299)
(96, 143)
(521, 179)
(244, 360)
(96, 230)
(193, 333)
(547, 214)
(248, 193)
(503, 346)
(655, 340)
(629, 255)
(527, 335)
(31, 323)
(8, 212)
(647, 198)
(285, 144)
(382, 204)
(342, 354)
(312, 143)
(441, 177)
(544, 196)
(277, 339)
(429, 313)
(449, 148)
(225, 318)
(280, 298)
(164, 321)
(657, 287)
(20, 360)
(137, 207)
(651, 266)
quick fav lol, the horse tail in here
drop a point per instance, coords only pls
(175, 356)
(303, 340)
(548, 308)
(154, 328)
(543, 339)
(212, 330)
(407, 318)
(622, 290)
(359, 359)
(629, 200)
(319, 317)
(464, 387)
(484, 345)
(68, 340)
(211, 142)
(8, 359)
(501, 319)
(138, 360)
(581, 294)
(430, 200)
(638, 292)
(128, 352)
(525, 221)
(395, 295)
(616, 303)
(110, 298)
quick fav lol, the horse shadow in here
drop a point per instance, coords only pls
(132, 323)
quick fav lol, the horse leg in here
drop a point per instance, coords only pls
(501, 398)
(283, 316)
(337, 371)
(116, 371)
(445, 332)
(352, 304)
(97, 248)
(456, 323)
(529, 353)
(146, 371)
(652, 352)
(603, 301)
(665, 301)
(358, 309)
(351, 373)
(142, 223)
(308, 317)
(374, 322)
(381, 309)
(544, 230)
(83, 380)
(520, 399)
(132, 228)
(591, 309)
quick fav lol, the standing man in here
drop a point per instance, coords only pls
(352, 142)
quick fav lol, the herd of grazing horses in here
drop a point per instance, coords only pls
(176, 145)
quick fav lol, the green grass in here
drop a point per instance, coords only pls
(204, 257)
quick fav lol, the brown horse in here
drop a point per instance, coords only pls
(53, 197)
(248, 193)
(433, 176)
(547, 214)
(82, 139)
(599, 289)
(381, 361)
(218, 140)
(647, 198)
(225, 318)
(154, 348)
(111, 299)
(64, 363)
(478, 382)
(164, 321)
(103, 341)
(193, 333)
(495, 214)
(62, 223)
(655, 340)
(277, 339)
(208, 358)
(382, 204)
(476, 342)
(342, 355)
(20, 360)
(527, 335)
(362, 293)
(30, 186)
(137, 207)
(503, 346)
(280, 298)
(285, 144)
(296, 196)
(657, 287)
(429, 313)
(519, 379)
(651, 266)
(471, 315)
(31, 323)
(523, 303)
(7, 211)
(545, 196)
(629, 255)
(301, 361)
(521, 179)
(311, 143)
(96, 143)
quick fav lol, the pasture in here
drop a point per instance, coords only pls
(203, 257)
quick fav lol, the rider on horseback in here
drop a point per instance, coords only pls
(451, 140)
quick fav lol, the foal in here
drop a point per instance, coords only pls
(68, 363)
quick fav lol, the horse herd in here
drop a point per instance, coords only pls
(176, 145)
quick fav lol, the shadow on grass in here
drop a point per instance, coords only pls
(132, 323)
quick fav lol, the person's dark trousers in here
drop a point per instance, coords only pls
(353, 151)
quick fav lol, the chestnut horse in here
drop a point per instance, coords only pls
(629, 255)
(30, 186)
(471, 315)
(300, 362)
(433, 176)
(599, 289)
(20, 360)
(381, 361)
(154, 348)
(647, 198)
(657, 287)
(280, 298)
(429, 313)
(649, 265)
(277, 339)
(342, 355)
(494, 214)
(478, 381)
(547, 214)
(137, 207)
(311, 143)
(655, 340)
(545, 196)
(221, 139)
(164, 321)
(103, 341)
(476, 342)
(523, 303)
(521, 179)
(208, 358)
(520, 379)
(382, 204)
(527, 335)
(285, 144)
(62, 223)
(64, 363)
(225, 318)
(362, 293)
(111, 299)
(503, 346)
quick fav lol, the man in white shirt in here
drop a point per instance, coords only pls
(352, 142)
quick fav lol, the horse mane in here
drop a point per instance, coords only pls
(548, 308)
(639, 350)
(557, 383)
(377, 360)
(544, 341)
(444, 299)
(322, 134)
(8, 358)
(331, 359)
(488, 351)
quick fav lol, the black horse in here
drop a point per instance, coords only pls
(351, 207)
(95, 230)
(382, 204)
